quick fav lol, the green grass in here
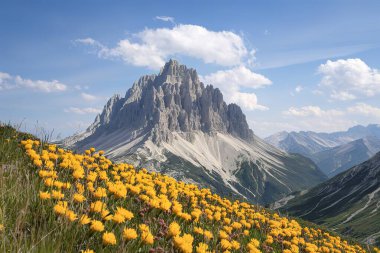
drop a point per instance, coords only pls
(29, 225)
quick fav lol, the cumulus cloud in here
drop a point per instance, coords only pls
(234, 82)
(314, 111)
(8, 82)
(86, 110)
(88, 97)
(165, 18)
(365, 110)
(152, 47)
(349, 79)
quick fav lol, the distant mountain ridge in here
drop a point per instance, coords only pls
(309, 142)
(332, 152)
(173, 123)
(336, 160)
(348, 202)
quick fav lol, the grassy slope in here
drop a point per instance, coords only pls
(29, 223)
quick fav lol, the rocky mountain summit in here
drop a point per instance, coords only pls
(173, 123)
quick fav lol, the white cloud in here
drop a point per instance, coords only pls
(246, 100)
(317, 92)
(313, 111)
(87, 41)
(88, 97)
(8, 82)
(298, 89)
(232, 81)
(152, 47)
(86, 110)
(342, 95)
(365, 110)
(81, 87)
(313, 118)
(165, 18)
(349, 79)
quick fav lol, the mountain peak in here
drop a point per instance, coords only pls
(187, 129)
(173, 72)
(172, 101)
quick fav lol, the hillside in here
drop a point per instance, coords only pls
(174, 123)
(348, 202)
(53, 200)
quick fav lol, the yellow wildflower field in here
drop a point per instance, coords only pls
(122, 208)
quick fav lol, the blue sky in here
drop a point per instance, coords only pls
(291, 65)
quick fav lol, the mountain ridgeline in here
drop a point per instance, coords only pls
(332, 152)
(173, 123)
(348, 203)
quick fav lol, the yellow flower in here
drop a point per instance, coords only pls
(60, 208)
(235, 245)
(208, 235)
(97, 226)
(87, 251)
(174, 229)
(78, 174)
(109, 238)
(225, 244)
(79, 198)
(45, 195)
(84, 219)
(71, 215)
(97, 206)
(129, 234)
(37, 162)
(57, 194)
(100, 192)
(223, 234)
(269, 240)
(184, 243)
(127, 214)
(1, 227)
(118, 218)
(147, 237)
(255, 242)
(106, 215)
(202, 248)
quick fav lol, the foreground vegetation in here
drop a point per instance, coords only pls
(52, 200)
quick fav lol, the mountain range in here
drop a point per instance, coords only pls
(332, 152)
(348, 203)
(173, 123)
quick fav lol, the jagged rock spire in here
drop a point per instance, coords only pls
(173, 100)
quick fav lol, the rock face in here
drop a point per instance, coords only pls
(348, 202)
(173, 123)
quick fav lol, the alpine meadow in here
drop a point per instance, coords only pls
(190, 127)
